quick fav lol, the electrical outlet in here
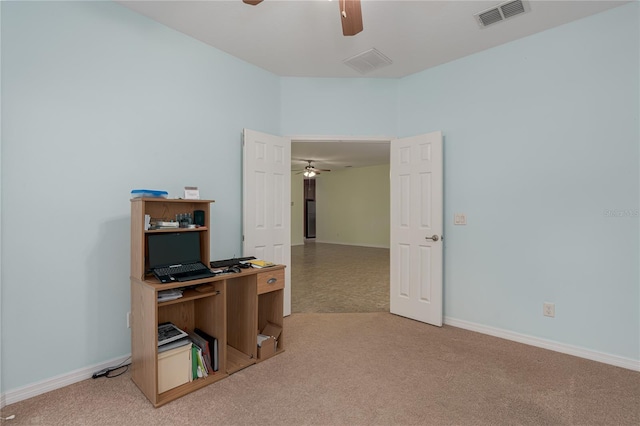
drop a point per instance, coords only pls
(128, 319)
(549, 309)
(459, 219)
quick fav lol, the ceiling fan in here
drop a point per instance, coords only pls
(310, 171)
(350, 15)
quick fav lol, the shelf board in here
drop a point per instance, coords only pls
(171, 200)
(237, 360)
(187, 388)
(189, 295)
(163, 230)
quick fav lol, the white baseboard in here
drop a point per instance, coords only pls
(63, 380)
(605, 358)
(35, 389)
(352, 244)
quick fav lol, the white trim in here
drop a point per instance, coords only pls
(338, 138)
(76, 376)
(351, 244)
(44, 386)
(618, 361)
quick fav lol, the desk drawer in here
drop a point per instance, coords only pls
(270, 281)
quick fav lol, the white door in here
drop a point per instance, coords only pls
(266, 200)
(416, 227)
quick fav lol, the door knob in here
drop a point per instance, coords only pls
(434, 238)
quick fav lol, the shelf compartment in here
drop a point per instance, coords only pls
(187, 388)
(242, 309)
(237, 360)
(192, 294)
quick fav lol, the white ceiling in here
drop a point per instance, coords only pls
(304, 37)
(338, 155)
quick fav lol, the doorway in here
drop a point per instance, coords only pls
(330, 272)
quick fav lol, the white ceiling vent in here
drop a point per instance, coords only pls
(367, 61)
(502, 11)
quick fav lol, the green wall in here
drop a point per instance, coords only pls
(352, 207)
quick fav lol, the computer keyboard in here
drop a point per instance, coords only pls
(193, 276)
(225, 263)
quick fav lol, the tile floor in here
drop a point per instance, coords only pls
(339, 278)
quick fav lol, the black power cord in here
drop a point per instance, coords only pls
(106, 372)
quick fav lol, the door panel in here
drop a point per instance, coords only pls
(416, 217)
(266, 201)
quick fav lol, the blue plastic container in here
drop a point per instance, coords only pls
(148, 193)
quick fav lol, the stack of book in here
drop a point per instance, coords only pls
(172, 294)
(162, 224)
(204, 347)
(258, 263)
(170, 337)
(204, 353)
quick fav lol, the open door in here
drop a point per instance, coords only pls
(416, 227)
(267, 201)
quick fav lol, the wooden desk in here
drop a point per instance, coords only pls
(232, 307)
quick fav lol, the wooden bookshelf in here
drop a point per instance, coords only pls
(232, 308)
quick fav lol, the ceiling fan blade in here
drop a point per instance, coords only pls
(252, 2)
(351, 17)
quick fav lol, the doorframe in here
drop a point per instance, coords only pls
(333, 139)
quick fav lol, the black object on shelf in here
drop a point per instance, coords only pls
(225, 263)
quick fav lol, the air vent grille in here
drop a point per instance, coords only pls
(367, 61)
(490, 17)
(511, 9)
(501, 12)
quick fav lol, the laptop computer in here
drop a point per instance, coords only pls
(175, 257)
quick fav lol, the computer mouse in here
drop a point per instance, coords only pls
(234, 269)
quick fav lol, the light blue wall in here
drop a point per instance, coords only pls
(541, 140)
(541, 137)
(98, 100)
(339, 106)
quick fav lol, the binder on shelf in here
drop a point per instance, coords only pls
(202, 344)
(202, 370)
(213, 347)
(194, 362)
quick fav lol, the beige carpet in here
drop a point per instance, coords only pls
(339, 278)
(370, 369)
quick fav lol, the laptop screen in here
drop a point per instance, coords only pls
(173, 248)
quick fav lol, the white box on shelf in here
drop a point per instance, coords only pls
(174, 368)
(191, 193)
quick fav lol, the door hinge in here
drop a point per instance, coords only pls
(243, 238)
